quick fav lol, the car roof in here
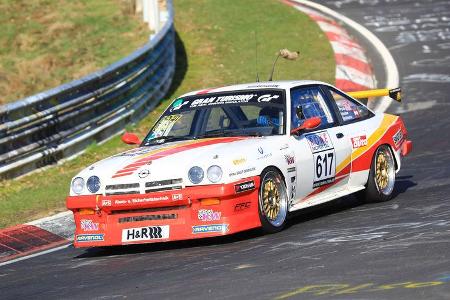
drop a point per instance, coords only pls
(285, 84)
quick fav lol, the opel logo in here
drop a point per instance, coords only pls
(143, 173)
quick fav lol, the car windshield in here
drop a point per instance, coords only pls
(237, 113)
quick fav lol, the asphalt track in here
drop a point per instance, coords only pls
(343, 250)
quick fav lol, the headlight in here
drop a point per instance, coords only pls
(93, 184)
(196, 174)
(78, 185)
(214, 174)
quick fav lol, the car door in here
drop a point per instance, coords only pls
(356, 123)
(321, 152)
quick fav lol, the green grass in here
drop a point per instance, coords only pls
(45, 43)
(218, 39)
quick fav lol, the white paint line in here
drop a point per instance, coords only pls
(392, 75)
(34, 255)
(51, 218)
(349, 73)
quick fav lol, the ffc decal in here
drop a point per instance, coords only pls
(245, 186)
(242, 206)
(210, 228)
(145, 233)
(359, 141)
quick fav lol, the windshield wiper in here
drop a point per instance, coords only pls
(168, 138)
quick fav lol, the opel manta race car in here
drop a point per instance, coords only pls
(225, 160)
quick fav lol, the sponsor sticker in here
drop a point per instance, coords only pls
(145, 233)
(218, 100)
(141, 200)
(289, 159)
(319, 141)
(359, 141)
(267, 97)
(242, 206)
(88, 225)
(207, 215)
(244, 186)
(240, 172)
(398, 138)
(220, 228)
(177, 197)
(239, 161)
(90, 238)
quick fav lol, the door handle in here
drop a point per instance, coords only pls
(339, 135)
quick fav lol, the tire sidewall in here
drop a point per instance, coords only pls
(266, 225)
(373, 194)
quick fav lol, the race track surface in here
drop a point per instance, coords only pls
(343, 250)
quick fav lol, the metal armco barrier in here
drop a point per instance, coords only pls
(58, 123)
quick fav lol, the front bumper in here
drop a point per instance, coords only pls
(189, 213)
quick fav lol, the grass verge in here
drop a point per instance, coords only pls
(216, 46)
(44, 43)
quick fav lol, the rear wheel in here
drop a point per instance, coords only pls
(273, 201)
(380, 184)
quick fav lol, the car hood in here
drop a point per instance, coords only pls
(170, 161)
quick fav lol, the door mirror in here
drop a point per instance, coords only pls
(130, 139)
(310, 123)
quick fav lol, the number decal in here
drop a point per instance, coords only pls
(325, 168)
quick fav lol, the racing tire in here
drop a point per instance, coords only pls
(272, 201)
(381, 181)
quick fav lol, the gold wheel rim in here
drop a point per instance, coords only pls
(271, 200)
(382, 171)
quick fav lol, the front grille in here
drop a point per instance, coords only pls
(148, 218)
(122, 189)
(163, 185)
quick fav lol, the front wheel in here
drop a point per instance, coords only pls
(273, 201)
(380, 184)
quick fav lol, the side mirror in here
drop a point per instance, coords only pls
(130, 139)
(310, 123)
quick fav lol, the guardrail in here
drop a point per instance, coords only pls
(58, 123)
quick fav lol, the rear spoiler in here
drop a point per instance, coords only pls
(392, 93)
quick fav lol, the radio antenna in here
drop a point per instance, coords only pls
(286, 54)
(256, 55)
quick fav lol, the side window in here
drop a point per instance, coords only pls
(349, 109)
(309, 102)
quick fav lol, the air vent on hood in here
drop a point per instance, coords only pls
(121, 189)
(163, 185)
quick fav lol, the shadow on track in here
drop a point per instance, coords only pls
(298, 217)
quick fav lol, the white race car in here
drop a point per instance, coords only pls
(224, 160)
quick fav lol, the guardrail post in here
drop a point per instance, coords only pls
(151, 14)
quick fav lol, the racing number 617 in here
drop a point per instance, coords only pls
(324, 164)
